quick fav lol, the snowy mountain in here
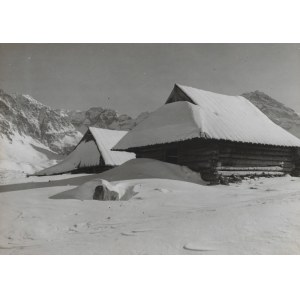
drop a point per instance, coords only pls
(98, 117)
(34, 136)
(23, 115)
(280, 114)
(102, 118)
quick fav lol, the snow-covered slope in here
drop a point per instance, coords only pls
(279, 113)
(32, 135)
(102, 118)
(165, 215)
(25, 154)
(23, 115)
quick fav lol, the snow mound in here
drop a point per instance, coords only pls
(138, 176)
(141, 168)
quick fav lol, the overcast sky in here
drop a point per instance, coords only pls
(133, 78)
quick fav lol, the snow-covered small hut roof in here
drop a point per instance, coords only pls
(193, 113)
(94, 147)
(106, 139)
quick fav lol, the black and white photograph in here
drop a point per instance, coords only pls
(150, 149)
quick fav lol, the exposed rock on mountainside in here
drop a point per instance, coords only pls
(280, 114)
(102, 118)
(99, 117)
(24, 116)
(34, 136)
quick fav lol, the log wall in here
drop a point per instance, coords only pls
(214, 158)
(265, 159)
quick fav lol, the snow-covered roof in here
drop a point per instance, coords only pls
(89, 152)
(106, 139)
(193, 113)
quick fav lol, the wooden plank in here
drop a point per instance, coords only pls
(284, 167)
(250, 173)
(261, 150)
(269, 168)
(199, 152)
(195, 159)
(257, 157)
(251, 161)
(255, 146)
(257, 154)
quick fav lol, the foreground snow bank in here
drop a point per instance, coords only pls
(258, 216)
(124, 182)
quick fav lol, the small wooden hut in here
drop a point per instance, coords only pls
(92, 154)
(215, 135)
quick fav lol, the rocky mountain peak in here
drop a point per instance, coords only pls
(279, 113)
(58, 129)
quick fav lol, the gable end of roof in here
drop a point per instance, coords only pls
(178, 94)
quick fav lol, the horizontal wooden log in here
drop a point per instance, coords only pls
(254, 146)
(199, 146)
(197, 159)
(253, 162)
(198, 152)
(285, 169)
(246, 162)
(270, 168)
(260, 170)
(250, 173)
(249, 163)
(253, 150)
(257, 157)
(200, 166)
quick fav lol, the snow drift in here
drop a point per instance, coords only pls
(131, 178)
(141, 168)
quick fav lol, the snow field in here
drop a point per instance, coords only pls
(163, 215)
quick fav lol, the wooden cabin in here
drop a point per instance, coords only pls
(215, 135)
(92, 154)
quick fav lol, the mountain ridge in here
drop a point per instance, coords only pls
(276, 111)
(33, 134)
